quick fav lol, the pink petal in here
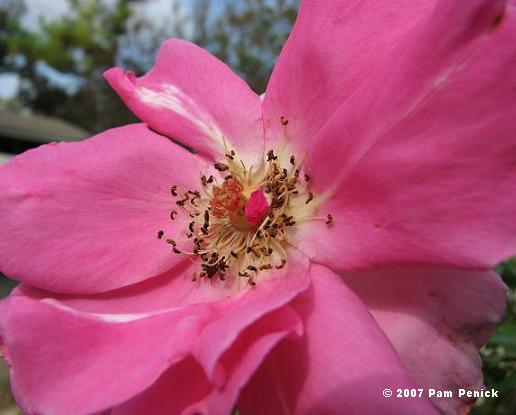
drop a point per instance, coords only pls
(429, 176)
(185, 389)
(172, 289)
(59, 356)
(175, 288)
(242, 310)
(246, 355)
(334, 47)
(84, 341)
(436, 319)
(83, 217)
(172, 393)
(193, 97)
(341, 365)
(422, 63)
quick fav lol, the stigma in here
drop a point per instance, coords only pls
(240, 217)
(244, 213)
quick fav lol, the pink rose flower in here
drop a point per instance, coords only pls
(323, 243)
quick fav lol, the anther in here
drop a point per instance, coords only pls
(160, 234)
(283, 262)
(290, 222)
(310, 198)
(293, 160)
(211, 271)
(221, 167)
(271, 156)
(329, 219)
(173, 190)
(283, 120)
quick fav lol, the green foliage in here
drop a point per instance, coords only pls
(80, 46)
(82, 42)
(10, 14)
(249, 36)
(499, 354)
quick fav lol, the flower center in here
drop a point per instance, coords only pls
(230, 202)
(239, 223)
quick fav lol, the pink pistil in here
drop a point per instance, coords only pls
(257, 207)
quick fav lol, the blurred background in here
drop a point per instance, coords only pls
(53, 54)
